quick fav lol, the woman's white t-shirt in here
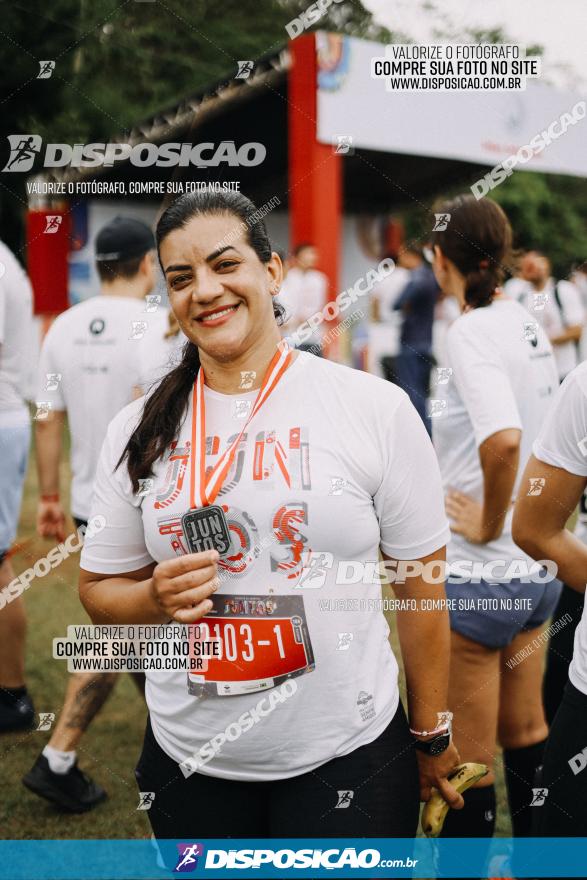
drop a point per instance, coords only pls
(336, 464)
(503, 376)
(562, 443)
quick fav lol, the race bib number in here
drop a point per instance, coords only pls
(247, 644)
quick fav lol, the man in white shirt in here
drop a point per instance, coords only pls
(304, 292)
(89, 368)
(579, 279)
(16, 708)
(557, 306)
(385, 323)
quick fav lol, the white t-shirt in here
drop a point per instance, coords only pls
(384, 334)
(16, 340)
(500, 380)
(579, 279)
(161, 353)
(303, 294)
(89, 365)
(547, 313)
(388, 291)
(336, 464)
(446, 311)
(562, 442)
(515, 287)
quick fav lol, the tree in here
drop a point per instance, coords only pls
(547, 212)
(119, 63)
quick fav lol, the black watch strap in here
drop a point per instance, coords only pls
(435, 746)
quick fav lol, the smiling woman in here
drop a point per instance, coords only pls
(245, 440)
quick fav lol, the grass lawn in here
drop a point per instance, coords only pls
(110, 749)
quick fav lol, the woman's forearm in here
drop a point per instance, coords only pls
(425, 643)
(120, 600)
(567, 551)
(499, 457)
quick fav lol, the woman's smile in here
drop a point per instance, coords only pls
(218, 316)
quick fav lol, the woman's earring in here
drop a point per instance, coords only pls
(274, 290)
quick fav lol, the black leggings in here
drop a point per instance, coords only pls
(564, 772)
(560, 650)
(382, 777)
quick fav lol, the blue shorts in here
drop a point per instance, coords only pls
(14, 453)
(493, 614)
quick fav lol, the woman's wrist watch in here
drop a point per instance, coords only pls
(440, 737)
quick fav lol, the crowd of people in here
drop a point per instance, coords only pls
(299, 457)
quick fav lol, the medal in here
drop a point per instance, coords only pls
(206, 529)
(204, 525)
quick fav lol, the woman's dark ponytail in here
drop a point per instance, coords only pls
(478, 240)
(480, 285)
(166, 406)
(161, 418)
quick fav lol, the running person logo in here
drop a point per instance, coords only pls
(247, 379)
(539, 300)
(344, 800)
(245, 68)
(145, 486)
(436, 407)
(441, 222)
(242, 408)
(24, 149)
(53, 223)
(138, 329)
(53, 380)
(537, 484)
(337, 485)
(146, 799)
(187, 861)
(344, 145)
(153, 300)
(315, 571)
(443, 375)
(46, 68)
(46, 719)
(539, 796)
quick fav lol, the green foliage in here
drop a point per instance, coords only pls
(547, 212)
(118, 63)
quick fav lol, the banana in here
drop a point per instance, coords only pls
(435, 811)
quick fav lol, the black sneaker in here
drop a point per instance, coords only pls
(19, 715)
(72, 791)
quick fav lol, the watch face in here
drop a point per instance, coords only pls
(437, 746)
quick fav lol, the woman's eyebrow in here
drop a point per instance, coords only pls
(217, 253)
(177, 267)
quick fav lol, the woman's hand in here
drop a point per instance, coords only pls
(433, 772)
(181, 587)
(466, 516)
(51, 520)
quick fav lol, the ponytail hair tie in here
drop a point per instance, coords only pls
(484, 264)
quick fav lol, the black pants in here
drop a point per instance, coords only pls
(382, 778)
(564, 772)
(560, 650)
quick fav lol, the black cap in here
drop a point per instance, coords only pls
(122, 239)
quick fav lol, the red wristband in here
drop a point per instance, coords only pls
(54, 497)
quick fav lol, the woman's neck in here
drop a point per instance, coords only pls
(243, 373)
